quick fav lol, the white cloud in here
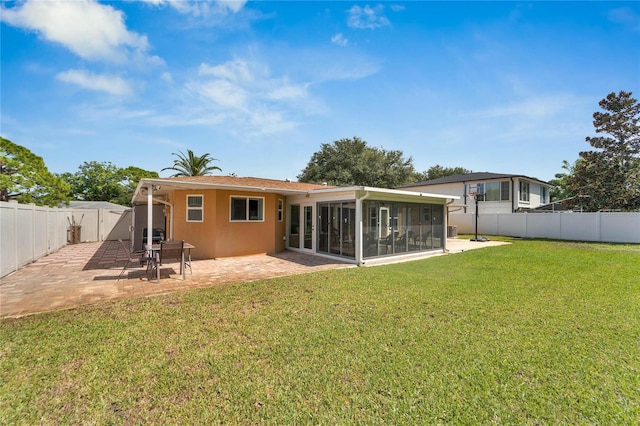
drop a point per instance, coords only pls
(531, 109)
(166, 76)
(233, 5)
(201, 8)
(91, 30)
(285, 91)
(367, 17)
(397, 7)
(223, 93)
(247, 94)
(339, 40)
(236, 70)
(112, 84)
(625, 16)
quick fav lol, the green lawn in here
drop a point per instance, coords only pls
(536, 332)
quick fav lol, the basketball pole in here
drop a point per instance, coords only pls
(476, 197)
(483, 239)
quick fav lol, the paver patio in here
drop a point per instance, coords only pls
(87, 273)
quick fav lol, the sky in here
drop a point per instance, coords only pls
(505, 87)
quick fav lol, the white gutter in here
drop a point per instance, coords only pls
(381, 191)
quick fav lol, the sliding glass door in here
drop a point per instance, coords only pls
(337, 228)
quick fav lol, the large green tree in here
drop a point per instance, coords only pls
(608, 177)
(352, 162)
(437, 171)
(103, 181)
(560, 189)
(25, 178)
(192, 165)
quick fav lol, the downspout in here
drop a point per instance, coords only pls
(464, 189)
(166, 203)
(513, 196)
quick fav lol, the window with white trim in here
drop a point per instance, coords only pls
(280, 210)
(195, 208)
(246, 209)
(524, 191)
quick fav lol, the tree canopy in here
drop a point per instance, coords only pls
(352, 162)
(103, 181)
(608, 177)
(437, 171)
(560, 190)
(192, 165)
(25, 178)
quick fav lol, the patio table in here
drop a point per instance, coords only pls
(154, 249)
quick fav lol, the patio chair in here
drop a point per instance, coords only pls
(133, 256)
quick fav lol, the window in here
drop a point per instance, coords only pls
(494, 191)
(504, 190)
(524, 191)
(247, 209)
(544, 195)
(280, 210)
(480, 192)
(195, 204)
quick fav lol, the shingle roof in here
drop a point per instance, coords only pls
(96, 205)
(250, 182)
(467, 177)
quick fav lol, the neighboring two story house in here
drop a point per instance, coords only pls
(496, 192)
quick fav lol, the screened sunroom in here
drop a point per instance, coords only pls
(363, 224)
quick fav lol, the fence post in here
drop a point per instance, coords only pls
(599, 226)
(15, 206)
(33, 232)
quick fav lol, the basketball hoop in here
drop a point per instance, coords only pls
(477, 197)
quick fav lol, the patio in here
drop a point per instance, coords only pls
(87, 273)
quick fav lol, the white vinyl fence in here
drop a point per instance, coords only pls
(611, 227)
(29, 232)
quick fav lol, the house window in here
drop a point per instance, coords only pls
(280, 210)
(494, 191)
(524, 191)
(544, 195)
(244, 209)
(480, 192)
(504, 190)
(195, 205)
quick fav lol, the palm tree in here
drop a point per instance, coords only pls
(192, 165)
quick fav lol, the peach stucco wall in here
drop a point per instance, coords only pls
(216, 236)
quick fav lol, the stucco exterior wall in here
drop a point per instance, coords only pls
(217, 236)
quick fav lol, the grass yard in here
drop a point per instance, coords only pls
(536, 332)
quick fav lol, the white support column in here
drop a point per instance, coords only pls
(150, 215)
(358, 246)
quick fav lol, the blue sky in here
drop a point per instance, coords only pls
(490, 86)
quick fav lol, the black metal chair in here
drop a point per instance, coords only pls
(133, 256)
